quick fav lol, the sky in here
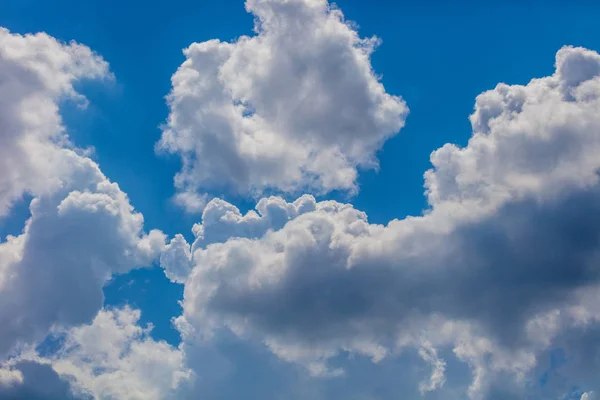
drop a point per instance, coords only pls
(296, 199)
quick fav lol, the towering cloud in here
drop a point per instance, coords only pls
(296, 106)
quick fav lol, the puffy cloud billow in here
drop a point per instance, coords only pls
(82, 228)
(296, 106)
(502, 269)
(36, 72)
(113, 357)
(53, 273)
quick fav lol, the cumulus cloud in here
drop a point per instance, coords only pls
(111, 358)
(36, 72)
(222, 221)
(296, 106)
(115, 358)
(53, 273)
(82, 227)
(176, 259)
(498, 269)
(538, 139)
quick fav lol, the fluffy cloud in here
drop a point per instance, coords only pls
(538, 139)
(111, 358)
(296, 106)
(115, 358)
(222, 221)
(499, 270)
(53, 273)
(82, 227)
(37, 71)
(177, 259)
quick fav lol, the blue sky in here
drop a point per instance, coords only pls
(438, 56)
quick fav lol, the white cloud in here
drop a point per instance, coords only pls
(511, 237)
(115, 358)
(10, 377)
(111, 358)
(191, 202)
(222, 220)
(538, 139)
(82, 227)
(53, 273)
(296, 106)
(37, 71)
(177, 259)
(437, 379)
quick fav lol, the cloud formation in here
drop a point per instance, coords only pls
(111, 358)
(82, 228)
(499, 270)
(73, 240)
(295, 107)
(115, 358)
(36, 72)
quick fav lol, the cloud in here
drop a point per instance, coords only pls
(191, 202)
(498, 270)
(176, 259)
(437, 378)
(115, 358)
(111, 358)
(37, 381)
(222, 221)
(82, 227)
(36, 72)
(296, 106)
(73, 240)
(536, 139)
(10, 377)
